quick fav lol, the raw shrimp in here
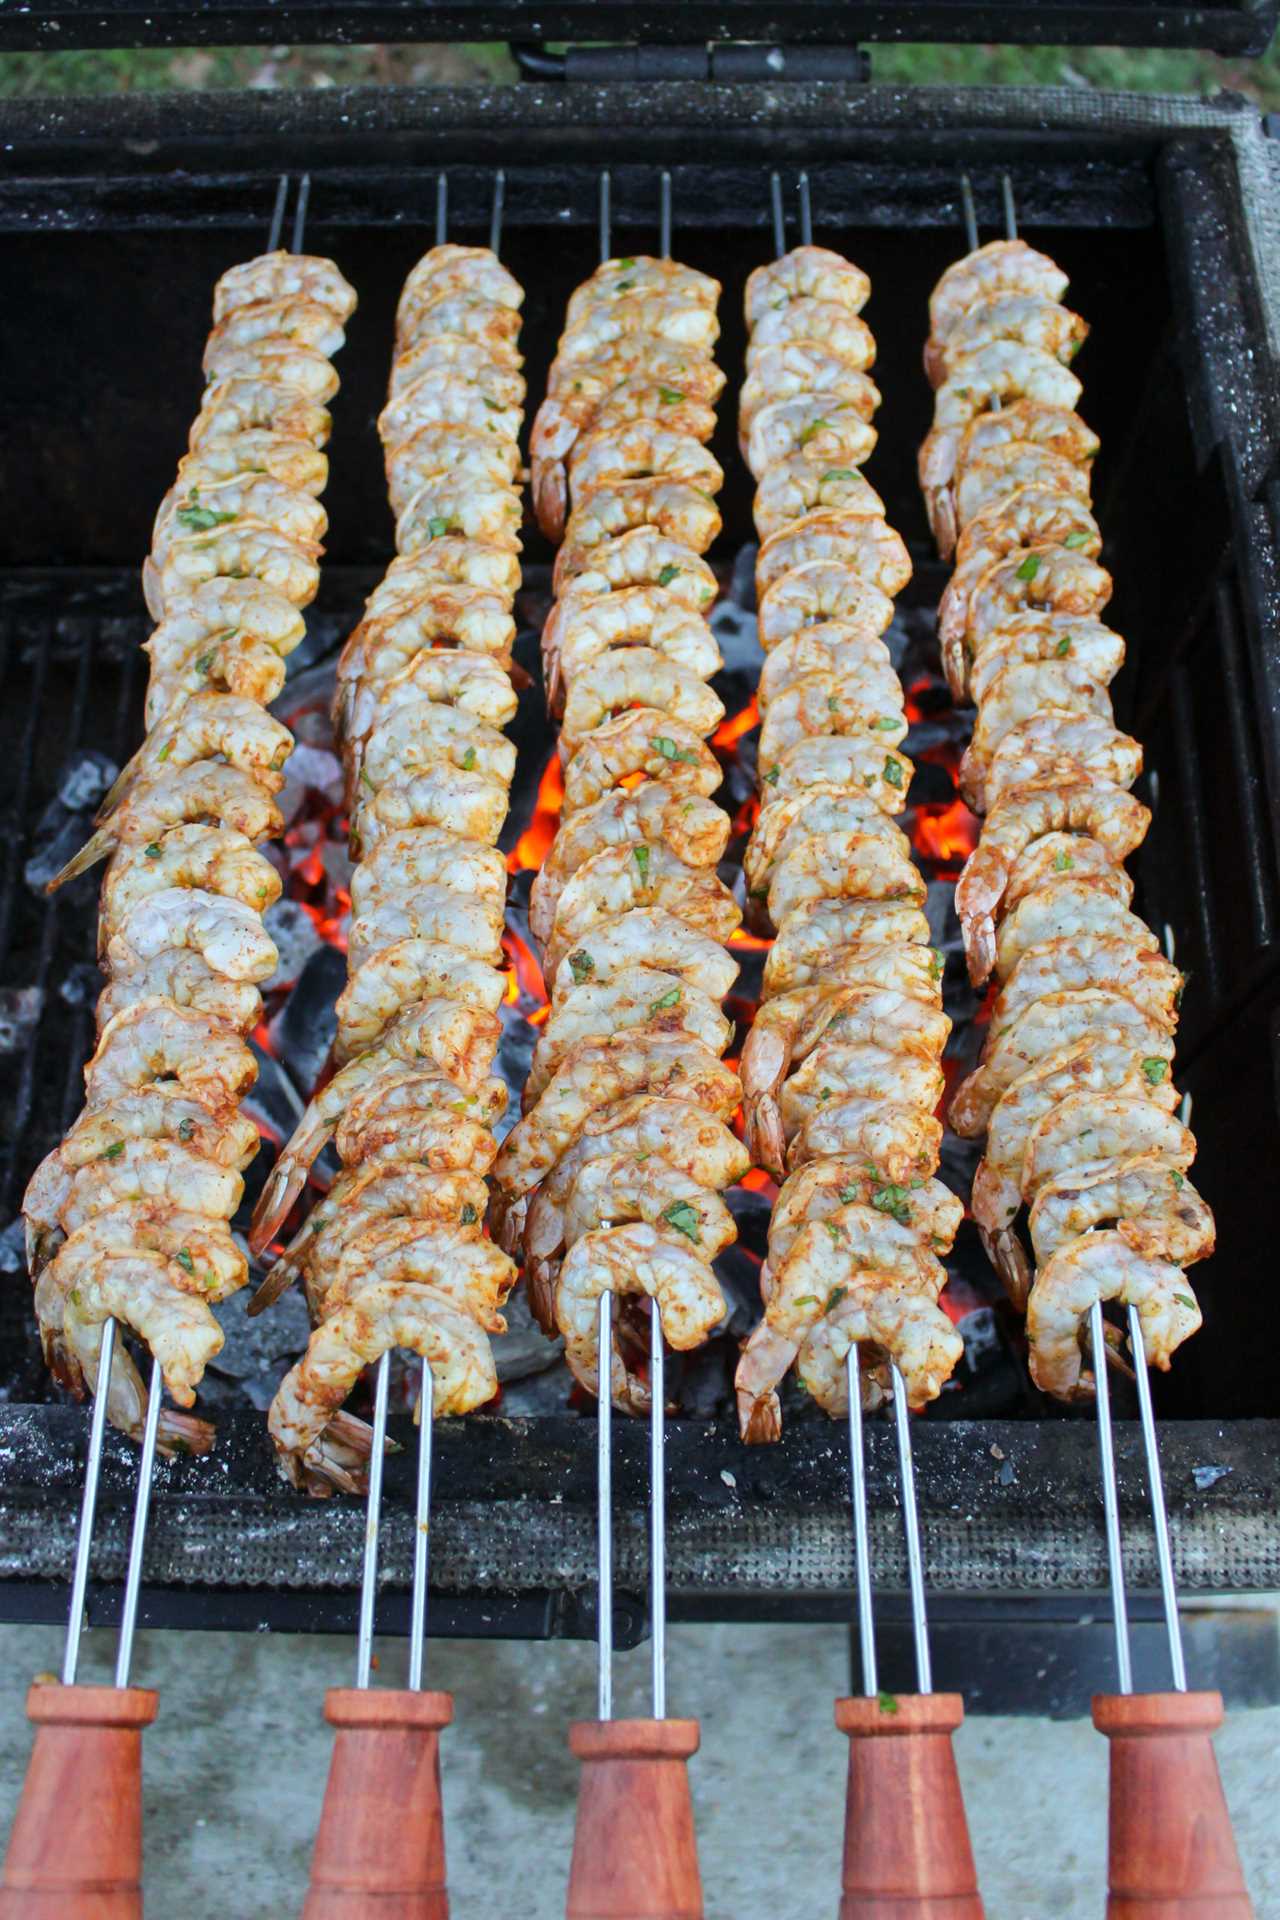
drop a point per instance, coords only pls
(491, 322)
(185, 979)
(810, 810)
(619, 1187)
(865, 699)
(425, 856)
(817, 591)
(237, 663)
(636, 356)
(598, 1072)
(201, 1246)
(456, 364)
(282, 363)
(210, 726)
(1069, 908)
(833, 646)
(1103, 1266)
(985, 481)
(859, 761)
(454, 269)
(805, 273)
(464, 801)
(316, 1451)
(254, 499)
(630, 677)
(153, 1042)
(431, 911)
(693, 828)
(386, 646)
(636, 997)
(673, 317)
(405, 972)
(649, 937)
(1046, 636)
(1040, 1027)
(1062, 746)
(144, 1291)
(279, 276)
(868, 545)
(563, 421)
(1155, 1208)
(823, 426)
(578, 631)
(837, 1071)
(1005, 370)
(1085, 1129)
(641, 450)
(798, 485)
(287, 566)
(217, 859)
(635, 1259)
(473, 682)
(1033, 517)
(247, 403)
(293, 317)
(811, 940)
(228, 936)
(642, 558)
(419, 734)
(643, 274)
(69, 1188)
(1053, 578)
(1029, 318)
(431, 433)
(901, 1142)
(1029, 423)
(898, 966)
(818, 1192)
(912, 1332)
(825, 1254)
(1153, 983)
(442, 1138)
(794, 367)
(457, 503)
(1060, 853)
(1028, 690)
(1002, 266)
(764, 1361)
(841, 866)
(676, 509)
(642, 740)
(619, 879)
(456, 1262)
(1108, 815)
(825, 323)
(449, 560)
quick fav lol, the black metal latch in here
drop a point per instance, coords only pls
(713, 60)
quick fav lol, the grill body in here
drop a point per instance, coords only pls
(115, 219)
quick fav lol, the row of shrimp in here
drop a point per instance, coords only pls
(612, 1180)
(395, 1254)
(129, 1218)
(1074, 1093)
(840, 1071)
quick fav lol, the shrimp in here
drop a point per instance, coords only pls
(189, 508)
(473, 682)
(449, 560)
(1005, 370)
(153, 1042)
(1043, 1025)
(1153, 983)
(619, 1188)
(276, 361)
(798, 485)
(386, 646)
(635, 676)
(805, 273)
(359, 1198)
(1108, 815)
(247, 403)
(824, 427)
(184, 979)
(643, 558)
(1068, 908)
(211, 726)
(841, 866)
(825, 323)
(431, 911)
(819, 1190)
(985, 481)
(1033, 517)
(913, 1333)
(1028, 318)
(865, 699)
(1030, 424)
(869, 546)
(644, 274)
(294, 463)
(283, 276)
(398, 975)
(453, 269)
(833, 646)
(458, 1041)
(70, 1188)
(1059, 853)
(422, 733)
(637, 356)
(900, 1141)
(694, 829)
(675, 508)
(456, 1262)
(1045, 636)
(636, 997)
(228, 937)
(1059, 746)
(201, 1246)
(216, 859)
(578, 631)
(1087, 1128)
(859, 761)
(1155, 1208)
(821, 590)
(1052, 578)
(650, 937)
(642, 740)
(238, 632)
(426, 856)
(684, 322)
(1103, 1266)
(463, 801)
(1028, 690)
(641, 450)
(860, 1239)
(810, 810)
(596, 1073)
(440, 1138)
(234, 663)
(634, 1259)
(492, 323)
(812, 939)
(860, 1070)
(317, 1451)
(457, 364)
(560, 427)
(763, 1362)
(801, 366)
(619, 879)
(146, 1292)
(432, 431)
(246, 550)
(456, 502)
(1003, 266)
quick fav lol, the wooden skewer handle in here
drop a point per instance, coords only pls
(75, 1852)
(635, 1853)
(906, 1839)
(380, 1847)
(1171, 1851)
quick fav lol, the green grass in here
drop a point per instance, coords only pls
(210, 68)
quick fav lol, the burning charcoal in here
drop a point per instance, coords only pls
(302, 1032)
(67, 822)
(81, 984)
(20, 1010)
(84, 779)
(515, 1056)
(256, 1353)
(737, 637)
(272, 1103)
(524, 1348)
(741, 589)
(536, 1395)
(294, 932)
(13, 1247)
(309, 770)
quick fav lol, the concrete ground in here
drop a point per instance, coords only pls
(236, 1762)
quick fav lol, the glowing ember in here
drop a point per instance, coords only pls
(730, 731)
(530, 849)
(945, 833)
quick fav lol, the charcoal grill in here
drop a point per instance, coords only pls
(116, 217)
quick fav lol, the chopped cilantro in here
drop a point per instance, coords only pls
(468, 1216)
(436, 526)
(183, 1258)
(893, 1200)
(186, 1128)
(887, 1702)
(1155, 1070)
(886, 721)
(772, 776)
(152, 850)
(201, 519)
(834, 1298)
(1077, 538)
(667, 575)
(1062, 863)
(671, 998)
(1063, 647)
(1178, 1179)
(684, 1219)
(670, 396)
(640, 854)
(814, 426)
(581, 966)
(1029, 568)
(1186, 1300)
(663, 744)
(893, 772)
(838, 473)
(469, 760)
(114, 1151)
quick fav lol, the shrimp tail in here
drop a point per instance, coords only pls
(275, 1284)
(765, 1359)
(765, 1140)
(284, 1183)
(96, 848)
(184, 1433)
(337, 1461)
(119, 787)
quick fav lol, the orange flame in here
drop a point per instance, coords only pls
(730, 731)
(946, 833)
(530, 849)
(524, 979)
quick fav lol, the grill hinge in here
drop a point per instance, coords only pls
(734, 60)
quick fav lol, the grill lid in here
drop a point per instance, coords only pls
(1238, 27)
